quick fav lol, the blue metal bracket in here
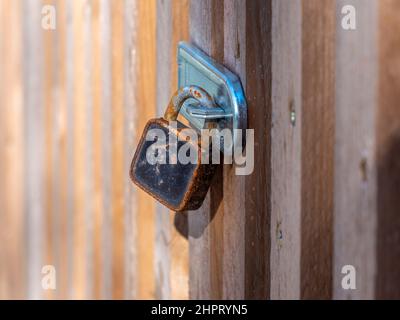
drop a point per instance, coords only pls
(196, 68)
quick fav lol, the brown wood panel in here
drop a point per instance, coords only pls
(286, 150)
(229, 236)
(117, 87)
(50, 214)
(97, 152)
(3, 269)
(145, 100)
(233, 262)
(80, 240)
(106, 142)
(317, 146)
(60, 160)
(204, 225)
(355, 179)
(130, 80)
(171, 251)
(388, 152)
(162, 256)
(13, 260)
(34, 142)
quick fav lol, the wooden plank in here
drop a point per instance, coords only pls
(130, 114)
(48, 76)
(13, 260)
(70, 125)
(97, 152)
(162, 254)
(106, 110)
(229, 243)
(34, 160)
(171, 251)
(145, 100)
(3, 269)
(355, 180)
(388, 153)
(178, 245)
(286, 150)
(60, 157)
(118, 173)
(233, 262)
(317, 146)
(257, 185)
(80, 239)
(205, 236)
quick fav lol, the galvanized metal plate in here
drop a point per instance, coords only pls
(196, 68)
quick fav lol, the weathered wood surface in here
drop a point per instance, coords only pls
(323, 103)
(229, 239)
(355, 203)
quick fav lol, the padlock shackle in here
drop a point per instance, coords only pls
(181, 95)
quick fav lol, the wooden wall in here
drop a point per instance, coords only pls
(323, 102)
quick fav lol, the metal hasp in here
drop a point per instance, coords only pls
(196, 68)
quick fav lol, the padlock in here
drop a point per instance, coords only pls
(178, 186)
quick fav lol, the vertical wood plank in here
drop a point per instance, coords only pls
(50, 214)
(205, 236)
(171, 251)
(179, 245)
(130, 114)
(286, 150)
(117, 25)
(258, 184)
(13, 260)
(246, 198)
(317, 146)
(388, 153)
(3, 269)
(162, 254)
(80, 142)
(34, 138)
(229, 243)
(355, 148)
(233, 262)
(145, 99)
(97, 152)
(106, 110)
(60, 157)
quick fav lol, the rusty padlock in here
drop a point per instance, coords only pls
(178, 186)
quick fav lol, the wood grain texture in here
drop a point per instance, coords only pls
(48, 76)
(130, 115)
(171, 247)
(286, 150)
(117, 87)
(60, 159)
(317, 146)
(34, 140)
(97, 151)
(355, 180)
(179, 245)
(233, 262)
(204, 225)
(3, 269)
(106, 113)
(80, 276)
(258, 184)
(162, 254)
(388, 153)
(13, 256)
(229, 237)
(146, 103)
